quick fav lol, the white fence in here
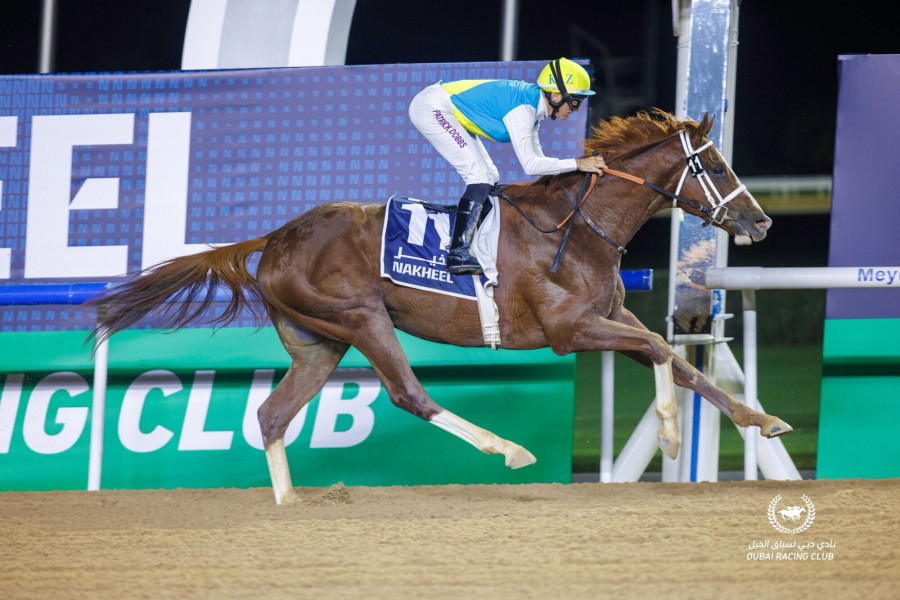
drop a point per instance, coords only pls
(750, 279)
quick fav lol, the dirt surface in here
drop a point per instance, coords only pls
(586, 540)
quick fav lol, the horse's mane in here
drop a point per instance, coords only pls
(617, 135)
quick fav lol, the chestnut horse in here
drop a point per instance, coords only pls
(319, 281)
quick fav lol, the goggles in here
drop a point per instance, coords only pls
(574, 101)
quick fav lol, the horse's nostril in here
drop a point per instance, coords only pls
(763, 223)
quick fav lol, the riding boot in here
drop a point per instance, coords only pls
(459, 259)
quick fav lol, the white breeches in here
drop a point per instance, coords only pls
(432, 113)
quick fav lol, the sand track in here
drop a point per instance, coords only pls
(585, 540)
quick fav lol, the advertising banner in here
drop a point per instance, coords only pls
(861, 362)
(181, 414)
(107, 174)
(102, 175)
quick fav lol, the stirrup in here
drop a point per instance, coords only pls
(462, 262)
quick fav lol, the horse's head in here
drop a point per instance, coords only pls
(706, 187)
(718, 196)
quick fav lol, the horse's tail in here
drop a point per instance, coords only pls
(180, 291)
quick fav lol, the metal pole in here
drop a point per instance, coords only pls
(607, 393)
(46, 55)
(751, 453)
(639, 449)
(509, 33)
(98, 411)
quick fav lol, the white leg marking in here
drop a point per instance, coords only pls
(279, 472)
(666, 409)
(487, 442)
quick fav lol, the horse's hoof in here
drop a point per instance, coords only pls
(520, 458)
(776, 427)
(669, 445)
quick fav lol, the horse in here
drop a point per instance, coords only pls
(791, 512)
(319, 283)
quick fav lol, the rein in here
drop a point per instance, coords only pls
(587, 186)
(576, 208)
(675, 197)
(715, 212)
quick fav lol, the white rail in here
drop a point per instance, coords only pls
(749, 279)
(759, 278)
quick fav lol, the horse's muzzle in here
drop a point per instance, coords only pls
(762, 225)
(749, 230)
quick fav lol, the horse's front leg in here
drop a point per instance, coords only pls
(593, 332)
(668, 435)
(687, 376)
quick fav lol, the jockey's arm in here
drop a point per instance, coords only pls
(523, 135)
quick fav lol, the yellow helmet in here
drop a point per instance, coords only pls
(566, 77)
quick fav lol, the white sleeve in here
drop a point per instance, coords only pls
(523, 134)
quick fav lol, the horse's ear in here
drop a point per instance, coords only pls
(706, 124)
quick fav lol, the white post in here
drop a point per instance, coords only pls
(774, 461)
(607, 394)
(639, 449)
(707, 460)
(98, 412)
(751, 453)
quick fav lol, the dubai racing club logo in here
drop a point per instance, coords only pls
(791, 515)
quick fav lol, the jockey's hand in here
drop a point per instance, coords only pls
(591, 164)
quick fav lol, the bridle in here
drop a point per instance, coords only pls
(715, 213)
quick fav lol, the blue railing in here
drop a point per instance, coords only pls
(32, 294)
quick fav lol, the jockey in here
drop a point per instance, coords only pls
(452, 114)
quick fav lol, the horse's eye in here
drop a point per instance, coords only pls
(718, 170)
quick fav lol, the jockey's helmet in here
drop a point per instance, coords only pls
(568, 78)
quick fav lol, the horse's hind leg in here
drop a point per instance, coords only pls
(378, 341)
(314, 359)
(484, 440)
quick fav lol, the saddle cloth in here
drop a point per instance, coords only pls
(414, 246)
